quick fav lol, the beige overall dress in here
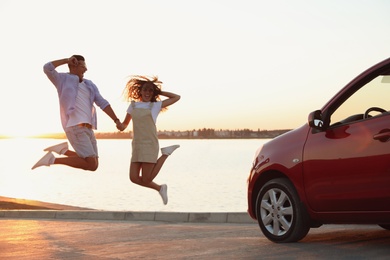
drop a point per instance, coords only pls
(145, 142)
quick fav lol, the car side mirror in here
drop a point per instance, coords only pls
(315, 120)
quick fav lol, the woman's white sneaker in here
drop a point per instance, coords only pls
(164, 193)
(169, 149)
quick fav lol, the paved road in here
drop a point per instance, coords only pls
(102, 239)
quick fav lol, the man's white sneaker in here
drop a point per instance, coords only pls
(47, 160)
(58, 148)
(169, 149)
(164, 193)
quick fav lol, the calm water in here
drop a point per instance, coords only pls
(202, 176)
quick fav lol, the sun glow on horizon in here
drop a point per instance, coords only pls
(31, 133)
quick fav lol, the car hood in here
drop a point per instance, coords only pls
(284, 151)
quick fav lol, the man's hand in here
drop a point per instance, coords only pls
(73, 61)
(120, 126)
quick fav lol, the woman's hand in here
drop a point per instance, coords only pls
(172, 98)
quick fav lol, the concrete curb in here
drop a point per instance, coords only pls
(193, 217)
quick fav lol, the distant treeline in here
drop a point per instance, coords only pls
(205, 133)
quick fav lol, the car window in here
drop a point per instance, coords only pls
(376, 93)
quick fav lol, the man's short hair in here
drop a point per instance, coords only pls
(78, 57)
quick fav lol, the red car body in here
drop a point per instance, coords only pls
(339, 169)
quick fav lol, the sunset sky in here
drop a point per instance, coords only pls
(236, 63)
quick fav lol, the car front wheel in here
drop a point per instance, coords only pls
(280, 215)
(385, 226)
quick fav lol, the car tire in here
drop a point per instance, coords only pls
(385, 226)
(281, 216)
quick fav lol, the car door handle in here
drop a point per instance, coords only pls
(383, 135)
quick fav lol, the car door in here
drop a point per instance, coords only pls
(347, 166)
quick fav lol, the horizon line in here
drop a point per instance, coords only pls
(62, 135)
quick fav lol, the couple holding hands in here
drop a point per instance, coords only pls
(78, 97)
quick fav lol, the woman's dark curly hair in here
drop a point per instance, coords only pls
(134, 86)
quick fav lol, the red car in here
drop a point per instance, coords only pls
(333, 170)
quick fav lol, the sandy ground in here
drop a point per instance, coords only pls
(22, 204)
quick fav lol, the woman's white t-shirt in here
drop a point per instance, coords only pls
(155, 110)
